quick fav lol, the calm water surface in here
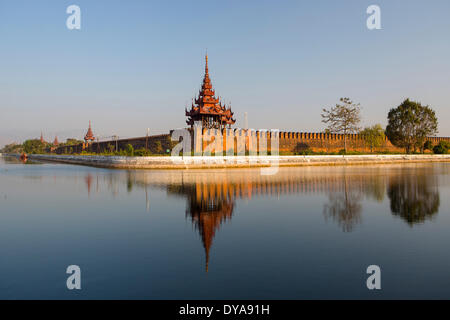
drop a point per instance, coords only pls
(224, 234)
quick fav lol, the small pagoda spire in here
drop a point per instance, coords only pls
(56, 142)
(206, 64)
(42, 137)
(89, 135)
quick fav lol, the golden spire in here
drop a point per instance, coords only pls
(206, 65)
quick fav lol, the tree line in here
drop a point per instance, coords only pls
(409, 126)
(36, 146)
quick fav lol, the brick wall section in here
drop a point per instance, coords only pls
(323, 142)
(292, 142)
(289, 142)
(105, 146)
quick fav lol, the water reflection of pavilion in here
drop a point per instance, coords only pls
(208, 207)
(211, 195)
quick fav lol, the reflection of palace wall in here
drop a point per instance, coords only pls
(211, 195)
(247, 183)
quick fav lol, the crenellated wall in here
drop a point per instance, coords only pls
(299, 142)
(289, 142)
(328, 142)
(242, 141)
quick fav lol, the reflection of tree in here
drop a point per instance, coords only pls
(414, 197)
(130, 182)
(344, 207)
(376, 188)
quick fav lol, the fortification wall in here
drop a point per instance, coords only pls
(294, 142)
(242, 141)
(150, 142)
(299, 142)
(288, 142)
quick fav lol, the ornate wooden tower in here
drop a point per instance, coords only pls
(89, 137)
(208, 109)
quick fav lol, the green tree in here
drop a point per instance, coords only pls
(111, 148)
(34, 146)
(442, 148)
(129, 150)
(373, 136)
(428, 145)
(12, 148)
(410, 124)
(142, 152)
(72, 142)
(343, 118)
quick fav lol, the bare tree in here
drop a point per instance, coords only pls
(343, 118)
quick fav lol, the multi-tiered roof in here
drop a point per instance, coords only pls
(208, 109)
(89, 137)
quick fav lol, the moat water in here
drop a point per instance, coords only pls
(303, 233)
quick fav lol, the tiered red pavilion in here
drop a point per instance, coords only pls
(207, 109)
(89, 137)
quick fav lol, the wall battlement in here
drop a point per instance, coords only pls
(243, 141)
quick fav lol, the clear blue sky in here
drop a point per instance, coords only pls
(135, 64)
